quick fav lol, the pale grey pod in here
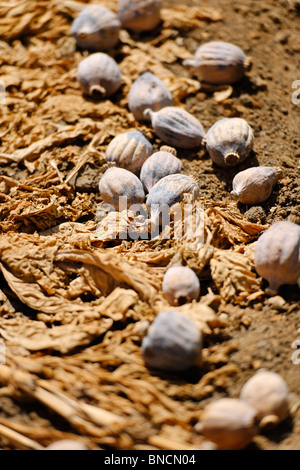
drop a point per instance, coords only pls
(277, 255)
(255, 185)
(96, 28)
(230, 423)
(157, 166)
(173, 342)
(219, 62)
(268, 393)
(139, 15)
(129, 150)
(167, 192)
(176, 127)
(180, 285)
(121, 188)
(148, 91)
(99, 75)
(229, 141)
(67, 444)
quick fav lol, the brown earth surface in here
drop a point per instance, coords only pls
(73, 309)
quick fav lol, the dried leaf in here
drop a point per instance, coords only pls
(223, 95)
(32, 336)
(109, 270)
(170, 52)
(66, 135)
(234, 277)
(180, 17)
(228, 226)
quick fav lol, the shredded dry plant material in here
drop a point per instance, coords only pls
(77, 294)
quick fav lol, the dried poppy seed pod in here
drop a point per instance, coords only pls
(166, 148)
(277, 255)
(157, 166)
(255, 185)
(229, 141)
(129, 150)
(67, 444)
(99, 75)
(96, 28)
(173, 342)
(167, 192)
(139, 15)
(267, 392)
(229, 423)
(180, 285)
(294, 216)
(148, 91)
(117, 184)
(176, 127)
(219, 62)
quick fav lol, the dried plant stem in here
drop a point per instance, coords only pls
(81, 415)
(168, 444)
(18, 439)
